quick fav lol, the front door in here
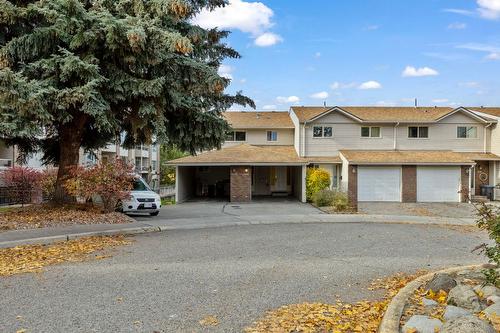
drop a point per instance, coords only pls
(278, 179)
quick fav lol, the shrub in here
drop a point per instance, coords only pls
(337, 200)
(317, 179)
(323, 198)
(22, 184)
(48, 183)
(489, 220)
(111, 181)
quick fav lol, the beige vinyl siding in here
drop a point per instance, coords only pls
(346, 136)
(443, 136)
(495, 139)
(259, 137)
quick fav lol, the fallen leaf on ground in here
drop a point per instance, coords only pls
(209, 321)
(32, 258)
(46, 215)
(363, 316)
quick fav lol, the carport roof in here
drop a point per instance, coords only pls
(407, 157)
(245, 154)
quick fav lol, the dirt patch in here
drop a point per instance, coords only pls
(45, 215)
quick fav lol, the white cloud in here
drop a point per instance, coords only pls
(268, 39)
(226, 71)
(269, 107)
(254, 18)
(320, 95)
(493, 56)
(339, 85)
(289, 99)
(459, 11)
(457, 26)
(250, 17)
(372, 27)
(386, 103)
(411, 71)
(492, 50)
(489, 9)
(370, 85)
(440, 100)
(317, 55)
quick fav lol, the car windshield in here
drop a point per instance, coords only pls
(140, 185)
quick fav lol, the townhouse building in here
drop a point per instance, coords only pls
(399, 154)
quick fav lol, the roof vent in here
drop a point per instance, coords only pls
(257, 115)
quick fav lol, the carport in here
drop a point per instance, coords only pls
(239, 173)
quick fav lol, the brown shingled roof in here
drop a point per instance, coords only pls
(244, 154)
(379, 114)
(481, 156)
(381, 157)
(253, 119)
(488, 110)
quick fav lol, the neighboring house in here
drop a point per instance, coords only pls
(402, 154)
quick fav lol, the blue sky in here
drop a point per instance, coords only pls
(363, 52)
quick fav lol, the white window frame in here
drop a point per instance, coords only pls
(370, 132)
(322, 132)
(273, 137)
(466, 131)
(418, 137)
(234, 136)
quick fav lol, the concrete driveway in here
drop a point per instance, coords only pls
(223, 209)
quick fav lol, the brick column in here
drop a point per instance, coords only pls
(241, 183)
(464, 183)
(409, 178)
(352, 186)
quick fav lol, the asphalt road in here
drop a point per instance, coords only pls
(167, 282)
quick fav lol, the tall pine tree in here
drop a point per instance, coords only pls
(76, 73)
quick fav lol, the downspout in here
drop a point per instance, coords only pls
(303, 153)
(485, 141)
(396, 136)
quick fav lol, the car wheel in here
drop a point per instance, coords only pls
(154, 214)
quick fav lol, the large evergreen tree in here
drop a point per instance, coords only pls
(76, 73)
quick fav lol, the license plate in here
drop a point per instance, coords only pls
(148, 205)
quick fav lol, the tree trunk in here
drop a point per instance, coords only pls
(70, 140)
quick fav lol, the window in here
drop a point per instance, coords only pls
(322, 132)
(466, 132)
(272, 136)
(236, 136)
(370, 132)
(418, 132)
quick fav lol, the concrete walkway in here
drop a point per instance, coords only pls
(146, 224)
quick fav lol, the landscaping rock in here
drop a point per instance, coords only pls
(467, 324)
(429, 302)
(487, 291)
(452, 312)
(492, 311)
(441, 281)
(422, 324)
(464, 297)
(493, 300)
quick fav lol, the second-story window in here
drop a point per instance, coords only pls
(416, 132)
(236, 136)
(466, 132)
(322, 132)
(370, 132)
(272, 136)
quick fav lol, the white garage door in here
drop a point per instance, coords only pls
(438, 184)
(379, 183)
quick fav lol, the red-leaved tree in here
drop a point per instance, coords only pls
(23, 184)
(111, 181)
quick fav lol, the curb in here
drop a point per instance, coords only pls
(390, 321)
(67, 237)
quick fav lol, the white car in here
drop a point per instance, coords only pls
(142, 199)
